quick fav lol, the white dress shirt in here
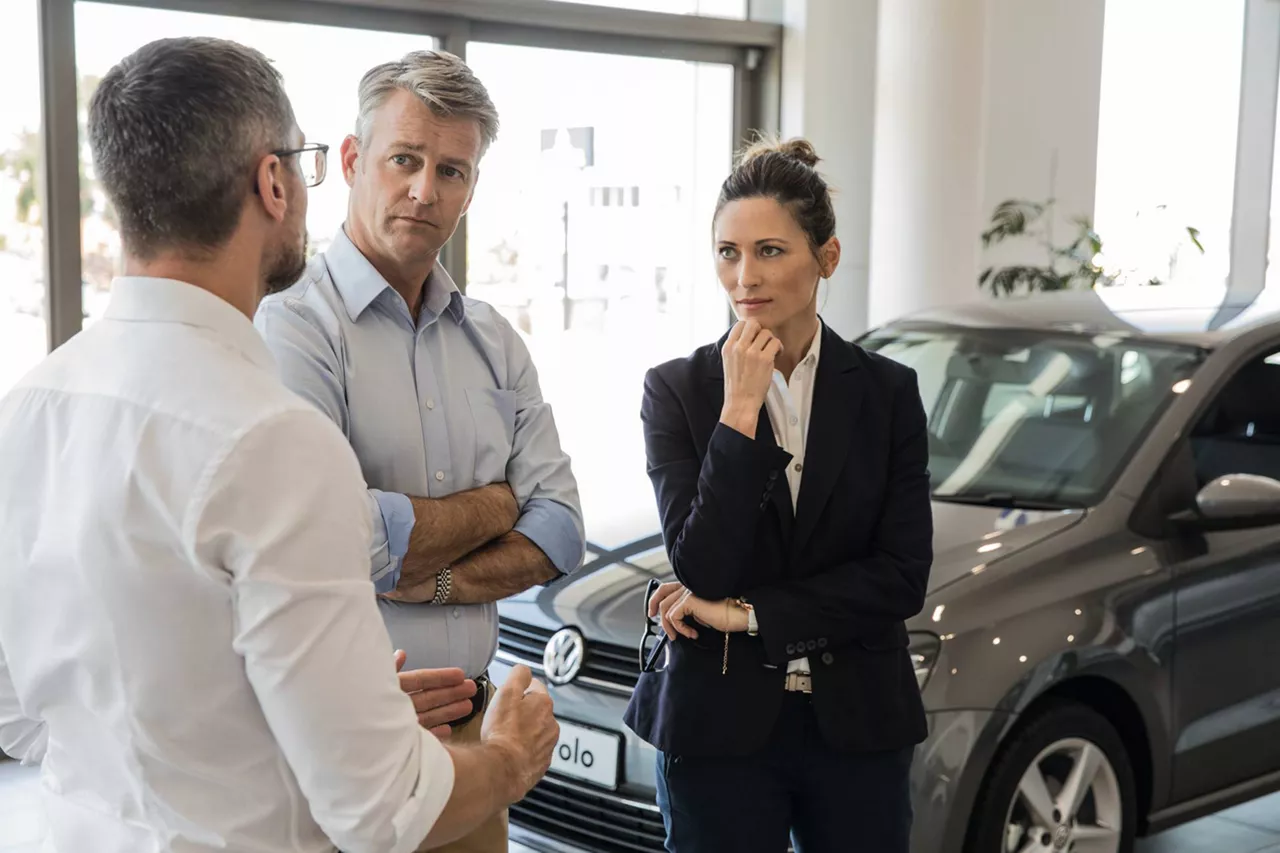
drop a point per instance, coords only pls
(188, 635)
(789, 405)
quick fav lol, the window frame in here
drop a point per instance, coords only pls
(751, 47)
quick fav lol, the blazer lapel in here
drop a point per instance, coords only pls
(837, 397)
(780, 494)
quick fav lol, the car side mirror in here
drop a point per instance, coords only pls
(1235, 502)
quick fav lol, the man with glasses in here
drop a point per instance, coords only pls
(188, 635)
(472, 499)
(313, 160)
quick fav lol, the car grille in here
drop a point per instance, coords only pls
(615, 666)
(594, 820)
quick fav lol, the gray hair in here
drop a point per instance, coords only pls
(440, 80)
(175, 128)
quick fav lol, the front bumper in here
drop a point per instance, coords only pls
(566, 816)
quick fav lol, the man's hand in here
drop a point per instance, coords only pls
(521, 726)
(440, 696)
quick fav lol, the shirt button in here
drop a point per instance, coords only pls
(799, 467)
(456, 613)
(439, 476)
(794, 420)
(431, 404)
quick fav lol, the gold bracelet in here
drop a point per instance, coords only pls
(724, 667)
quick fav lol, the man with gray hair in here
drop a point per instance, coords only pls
(472, 497)
(188, 635)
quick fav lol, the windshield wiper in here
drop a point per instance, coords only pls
(1006, 500)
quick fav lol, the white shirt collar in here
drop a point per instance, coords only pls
(139, 299)
(815, 348)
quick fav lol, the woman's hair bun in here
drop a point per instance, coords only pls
(801, 150)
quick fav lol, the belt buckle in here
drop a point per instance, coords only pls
(799, 682)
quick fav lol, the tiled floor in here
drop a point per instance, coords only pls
(1251, 828)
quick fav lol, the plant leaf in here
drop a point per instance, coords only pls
(1010, 219)
(1194, 234)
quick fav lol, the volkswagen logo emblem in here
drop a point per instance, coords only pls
(563, 656)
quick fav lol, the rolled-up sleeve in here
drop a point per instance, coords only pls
(556, 530)
(307, 363)
(539, 470)
(393, 517)
(292, 536)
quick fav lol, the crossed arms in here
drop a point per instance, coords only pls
(497, 540)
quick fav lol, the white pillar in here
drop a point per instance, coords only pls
(926, 212)
(1042, 92)
(828, 97)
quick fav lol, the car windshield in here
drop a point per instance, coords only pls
(1032, 418)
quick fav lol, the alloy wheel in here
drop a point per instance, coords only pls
(1068, 801)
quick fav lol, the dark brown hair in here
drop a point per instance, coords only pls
(785, 172)
(176, 129)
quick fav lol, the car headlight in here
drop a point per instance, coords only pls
(924, 648)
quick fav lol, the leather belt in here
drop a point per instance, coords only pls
(799, 682)
(478, 701)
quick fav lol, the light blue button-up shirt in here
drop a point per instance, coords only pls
(447, 403)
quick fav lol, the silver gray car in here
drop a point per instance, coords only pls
(1097, 653)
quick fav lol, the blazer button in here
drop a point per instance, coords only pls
(811, 645)
(773, 475)
(827, 658)
(822, 642)
(791, 648)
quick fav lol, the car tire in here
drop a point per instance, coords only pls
(1057, 740)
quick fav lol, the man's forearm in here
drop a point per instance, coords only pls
(481, 789)
(447, 529)
(509, 565)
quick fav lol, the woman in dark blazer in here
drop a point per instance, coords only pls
(790, 469)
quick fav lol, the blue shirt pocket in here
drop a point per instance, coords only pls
(493, 414)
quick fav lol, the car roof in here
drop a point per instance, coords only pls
(1156, 313)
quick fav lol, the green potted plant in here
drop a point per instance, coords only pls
(1074, 265)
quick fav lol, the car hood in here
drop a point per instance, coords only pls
(605, 598)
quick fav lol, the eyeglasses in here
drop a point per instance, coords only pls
(314, 167)
(654, 651)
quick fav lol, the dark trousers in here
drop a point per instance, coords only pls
(796, 789)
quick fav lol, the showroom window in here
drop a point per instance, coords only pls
(708, 8)
(590, 229)
(322, 67)
(1167, 138)
(591, 232)
(23, 329)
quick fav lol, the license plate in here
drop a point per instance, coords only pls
(588, 754)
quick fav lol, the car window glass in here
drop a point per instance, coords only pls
(1239, 433)
(1031, 415)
